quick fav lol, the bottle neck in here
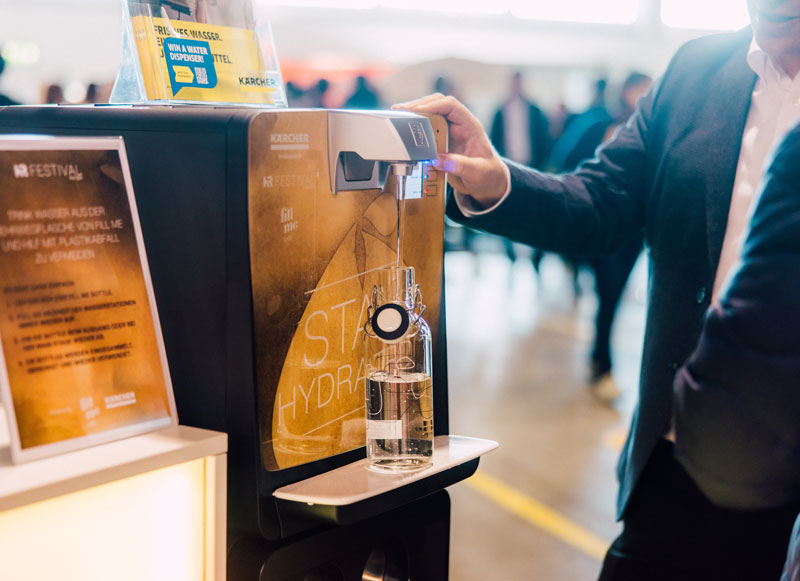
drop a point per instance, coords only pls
(397, 285)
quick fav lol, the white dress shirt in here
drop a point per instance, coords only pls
(774, 109)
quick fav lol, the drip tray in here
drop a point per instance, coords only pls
(354, 492)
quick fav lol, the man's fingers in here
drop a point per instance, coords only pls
(438, 104)
(466, 168)
(471, 170)
(480, 173)
(448, 162)
(417, 102)
(479, 177)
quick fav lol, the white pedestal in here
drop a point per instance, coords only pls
(149, 507)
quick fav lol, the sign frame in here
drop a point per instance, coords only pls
(36, 143)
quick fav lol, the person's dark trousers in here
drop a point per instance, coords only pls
(610, 274)
(672, 532)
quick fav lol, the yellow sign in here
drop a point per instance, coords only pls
(82, 355)
(234, 71)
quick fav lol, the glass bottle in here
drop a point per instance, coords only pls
(399, 379)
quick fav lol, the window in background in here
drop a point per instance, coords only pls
(462, 6)
(705, 14)
(591, 11)
(346, 4)
(605, 12)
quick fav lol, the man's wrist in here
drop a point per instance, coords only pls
(470, 206)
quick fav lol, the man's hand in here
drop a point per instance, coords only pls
(475, 168)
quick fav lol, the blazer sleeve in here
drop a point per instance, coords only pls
(737, 398)
(594, 210)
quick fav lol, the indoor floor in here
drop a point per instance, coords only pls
(541, 506)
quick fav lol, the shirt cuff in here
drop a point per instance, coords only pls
(470, 208)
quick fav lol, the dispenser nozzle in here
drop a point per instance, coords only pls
(402, 168)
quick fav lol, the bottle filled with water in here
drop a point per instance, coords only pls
(399, 394)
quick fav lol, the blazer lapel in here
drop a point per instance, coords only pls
(727, 115)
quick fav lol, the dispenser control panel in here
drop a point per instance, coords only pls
(415, 184)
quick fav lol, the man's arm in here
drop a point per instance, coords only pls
(737, 399)
(592, 211)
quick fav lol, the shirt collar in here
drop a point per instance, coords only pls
(764, 67)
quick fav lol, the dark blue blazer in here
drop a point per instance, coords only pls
(737, 399)
(669, 171)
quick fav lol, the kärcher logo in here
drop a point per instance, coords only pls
(289, 141)
(288, 138)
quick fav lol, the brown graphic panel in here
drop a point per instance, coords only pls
(314, 258)
(80, 348)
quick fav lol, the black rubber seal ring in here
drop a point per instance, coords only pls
(397, 333)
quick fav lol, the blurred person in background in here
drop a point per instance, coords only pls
(92, 93)
(520, 131)
(684, 169)
(445, 85)
(97, 93)
(581, 136)
(313, 97)
(610, 272)
(364, 96)
(54, 95)
(584, 132)
(560, 120)
(294, 93)
(4, 100)
(316, 96)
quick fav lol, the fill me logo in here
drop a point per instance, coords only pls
(287, 220)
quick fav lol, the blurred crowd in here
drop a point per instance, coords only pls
(56, 94)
